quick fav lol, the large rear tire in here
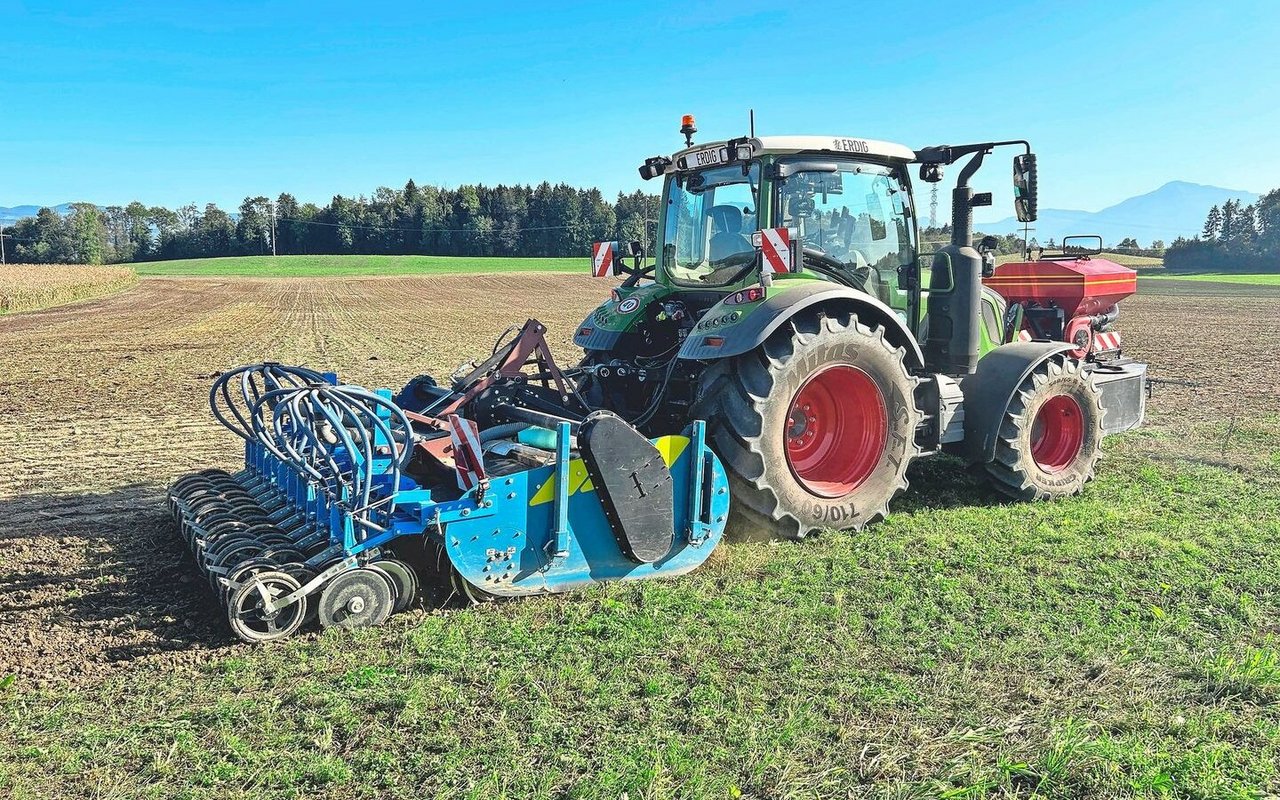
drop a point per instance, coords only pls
(816, 427)
(1051, 435)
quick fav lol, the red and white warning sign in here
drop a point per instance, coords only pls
(602, 255)
(468, 458)
(1105, 342)
(775, 244)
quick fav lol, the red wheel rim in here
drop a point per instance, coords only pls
(836, 430)
(1057, 434)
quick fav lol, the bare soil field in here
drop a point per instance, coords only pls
(1121, 643)
(103, 403)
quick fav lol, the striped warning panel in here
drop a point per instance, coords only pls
(468, 458)
(775, 244)
(1106, 342)
(602, 255)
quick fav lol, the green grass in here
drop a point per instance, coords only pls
(1256, 279)
(1118, 644)
(347, 266)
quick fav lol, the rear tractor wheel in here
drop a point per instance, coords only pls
(1051, 436)
(816, 427)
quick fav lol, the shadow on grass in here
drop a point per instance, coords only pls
(942, 481)
(93, 578)
(103, 578)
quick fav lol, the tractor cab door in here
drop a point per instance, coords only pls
(856, 215)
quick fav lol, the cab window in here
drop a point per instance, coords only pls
(710, 217)
(853, 212)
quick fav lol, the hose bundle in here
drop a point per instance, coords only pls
(350, 443)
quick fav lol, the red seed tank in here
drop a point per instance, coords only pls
(1079, 286)
(1086, 289)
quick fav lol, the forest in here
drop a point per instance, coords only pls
(1235, 238)
(546, 220)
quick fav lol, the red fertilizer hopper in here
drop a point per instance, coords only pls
(1072, 297)
(1078, 286)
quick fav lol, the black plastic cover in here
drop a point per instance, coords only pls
(633, 483)
(988, 391)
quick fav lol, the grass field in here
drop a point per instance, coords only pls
(1119, 644)
(1131, 261)
(1253, 279)
(28, 287)
(346, 266)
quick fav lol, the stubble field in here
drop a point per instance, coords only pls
(28, 287)
(1124, 643)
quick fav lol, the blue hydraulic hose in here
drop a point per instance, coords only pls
(254, 380)
(287, 420)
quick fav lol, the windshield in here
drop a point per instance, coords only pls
(710, 218)
(856, 214)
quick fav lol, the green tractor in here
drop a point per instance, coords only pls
(790, 306)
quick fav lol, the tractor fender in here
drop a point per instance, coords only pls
(990, 389)
(749, 332)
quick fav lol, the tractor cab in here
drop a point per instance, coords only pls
(747, 212)
(845, 204)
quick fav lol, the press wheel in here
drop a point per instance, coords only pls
(356, 599)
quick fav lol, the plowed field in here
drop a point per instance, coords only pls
(103, 403)
(1118, 644)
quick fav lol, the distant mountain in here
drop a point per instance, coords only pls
(8, 216)
(1176, 209)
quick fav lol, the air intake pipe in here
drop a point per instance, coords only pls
(955, 288)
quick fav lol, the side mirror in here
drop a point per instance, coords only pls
(1024, 187)
(988, 243)
(931, 173)
(637, 253)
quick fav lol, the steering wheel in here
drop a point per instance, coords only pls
(857, 274)
(633, 272)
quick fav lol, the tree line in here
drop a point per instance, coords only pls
(1235, 238)
(547, 220)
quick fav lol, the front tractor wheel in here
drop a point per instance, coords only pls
(816, 427)
(1051, 435)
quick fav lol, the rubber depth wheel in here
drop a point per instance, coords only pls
(355, 599)
(459, 586)
(1051, 435)
(244, 608)
(816, 427)
(403, 579)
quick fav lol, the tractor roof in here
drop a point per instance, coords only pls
(788, 145)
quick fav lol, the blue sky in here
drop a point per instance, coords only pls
(155, 102)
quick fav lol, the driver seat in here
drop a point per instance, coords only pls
(727, 239)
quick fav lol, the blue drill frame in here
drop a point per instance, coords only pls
(536, 531)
